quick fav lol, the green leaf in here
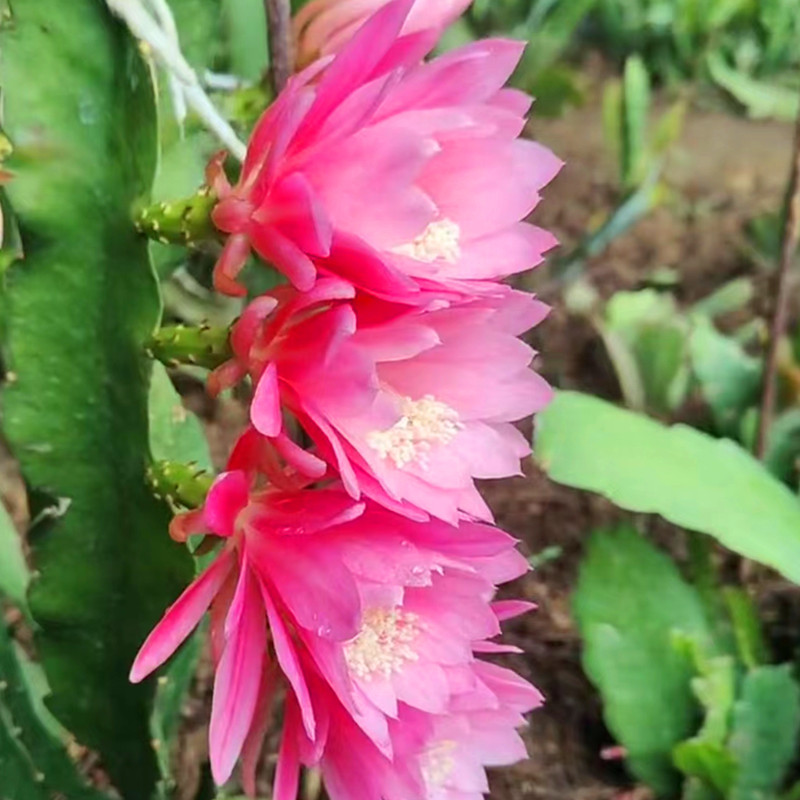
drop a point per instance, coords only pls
(766, 721)
(731, 296)
(760, 98)
(14, 574)
(693, 480)
(34, 764)
(711, 763)
(175, 433)
(636, 104)
(729, 378)
(783, 446)
(630, 604)
(705, 755)
(246, 28)
(696, 789)
(83, 127)
(612, 124)
(556, 88)
(655, 337)
(173, 685)
(668, 128)
(198, 24)
(750, 642)
(549, 36)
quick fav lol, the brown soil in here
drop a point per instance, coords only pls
(725, 171)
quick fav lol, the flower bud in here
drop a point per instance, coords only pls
(322, 27)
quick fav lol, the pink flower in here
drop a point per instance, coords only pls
(400, 176)
(377, 613)
(436, 757)
(408, 411)
(322, 27)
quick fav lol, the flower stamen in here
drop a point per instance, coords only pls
(424, 422)
(440, 240)
(384, 643)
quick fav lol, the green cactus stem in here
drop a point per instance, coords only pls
(181, 485)
(203, 346)
(186, 221)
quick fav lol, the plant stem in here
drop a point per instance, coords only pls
(279, 33)
(791, 235)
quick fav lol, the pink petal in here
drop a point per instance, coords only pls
(495, 647)
(276, 248)
(181, 618)
(294, 208)
(265, 410)
(249, 323)
(228, 495)
(230, 264)
(237, 684)
(509, 609)
(303, 461)
(357, 60)
(287, 772)
(289, 662)
(314, 585)
(251, 750)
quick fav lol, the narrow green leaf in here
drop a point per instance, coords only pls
(175, 433)
(709, 762)
(612, 124)
(173, 686)
(693, 480)
(630, 604)
(783, 446)
(626, 366)
(705, 755)
(198, 24)
(14, 574)
(668, 128)
(656, 339)
(246, 28)
(750, 642)
(34, 764)
(696, 789)
(731, 296)
(636, 105)
(83, 128)
(760, 98)
(729, 378)
(550, 35)
(764, 740)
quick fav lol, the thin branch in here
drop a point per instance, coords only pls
(167, 52)
(279, 33)
(791, 236)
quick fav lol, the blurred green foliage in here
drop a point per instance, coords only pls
(750, 49)
(758, 37)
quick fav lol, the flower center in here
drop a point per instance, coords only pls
(438, 763)
(383, 645)
(424, 422)
(439, 240)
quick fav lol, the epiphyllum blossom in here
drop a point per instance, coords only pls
(408, 411)
(412, 170)
(436, 757)
(377, 613)
(322, 27)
